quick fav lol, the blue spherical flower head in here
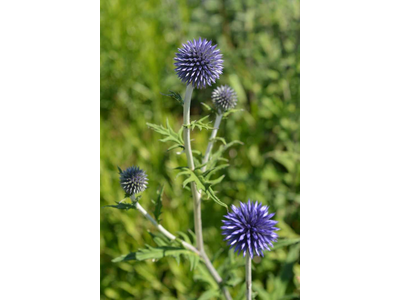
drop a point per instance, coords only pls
(224, 98)
(198, 63)
(249, 228)
(133, 180)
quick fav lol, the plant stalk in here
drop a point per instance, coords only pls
(196, 194)
(248, 276)
(162, 229)
(189, 156)
(211, 141)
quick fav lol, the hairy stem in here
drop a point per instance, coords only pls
(162, 229)
(212, 140)
(189, 156)
(248, 276)
(196, 194)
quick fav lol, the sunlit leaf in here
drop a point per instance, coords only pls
(170, 135)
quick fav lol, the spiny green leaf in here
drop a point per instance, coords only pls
(193, 235)
(154, 253)
(121, 205)
(217, 155)
(158, 205)
(170, 135)
(175, 96)
(216, 181)
(285, 242)
(197, 152)
(201, 184)
(184, 236)
(200, 124)
(231, 111)
(162, 240)
(210, 294)
(207, 174)
(219, 139)
(194, 261)
(208, 107)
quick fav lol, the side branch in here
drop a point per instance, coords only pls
(163, 230)
(212, 140)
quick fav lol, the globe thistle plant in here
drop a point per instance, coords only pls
(199, 63)
(249, 228)
(133, 180)
(224, 98)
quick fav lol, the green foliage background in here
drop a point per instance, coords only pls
(260, 43)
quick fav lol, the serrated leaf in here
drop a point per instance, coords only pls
(161, 240)
(222, 140)
(207, 174)
(170, 135)
(204, 275)
(194, 261)
(231, 111)
(185, 237)
(196, 161)
(121, 205)
(201, 184)
(285, 242)
(208, 107)
(175, 96)
(197, 152)
(210, 294)
(216, 181)
(174, 147)
(158, 205)
(200, 124)
(217, 155)
(193, 235)
(154, 253)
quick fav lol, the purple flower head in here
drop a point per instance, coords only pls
(198, 63)
(133, 180)
(250, 228)
(224, 98)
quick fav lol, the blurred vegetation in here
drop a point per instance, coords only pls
(260, 43)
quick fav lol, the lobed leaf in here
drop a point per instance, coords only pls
(154, 253)
(231, 111)
(170, 135)
(175, 96)
(121, 205)
(158, 205)
(200, 124)
(201, 183)
(285, 242)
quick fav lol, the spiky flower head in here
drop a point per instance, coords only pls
(198, 63)
(224, 98)
(133, 180)
(250, 229)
